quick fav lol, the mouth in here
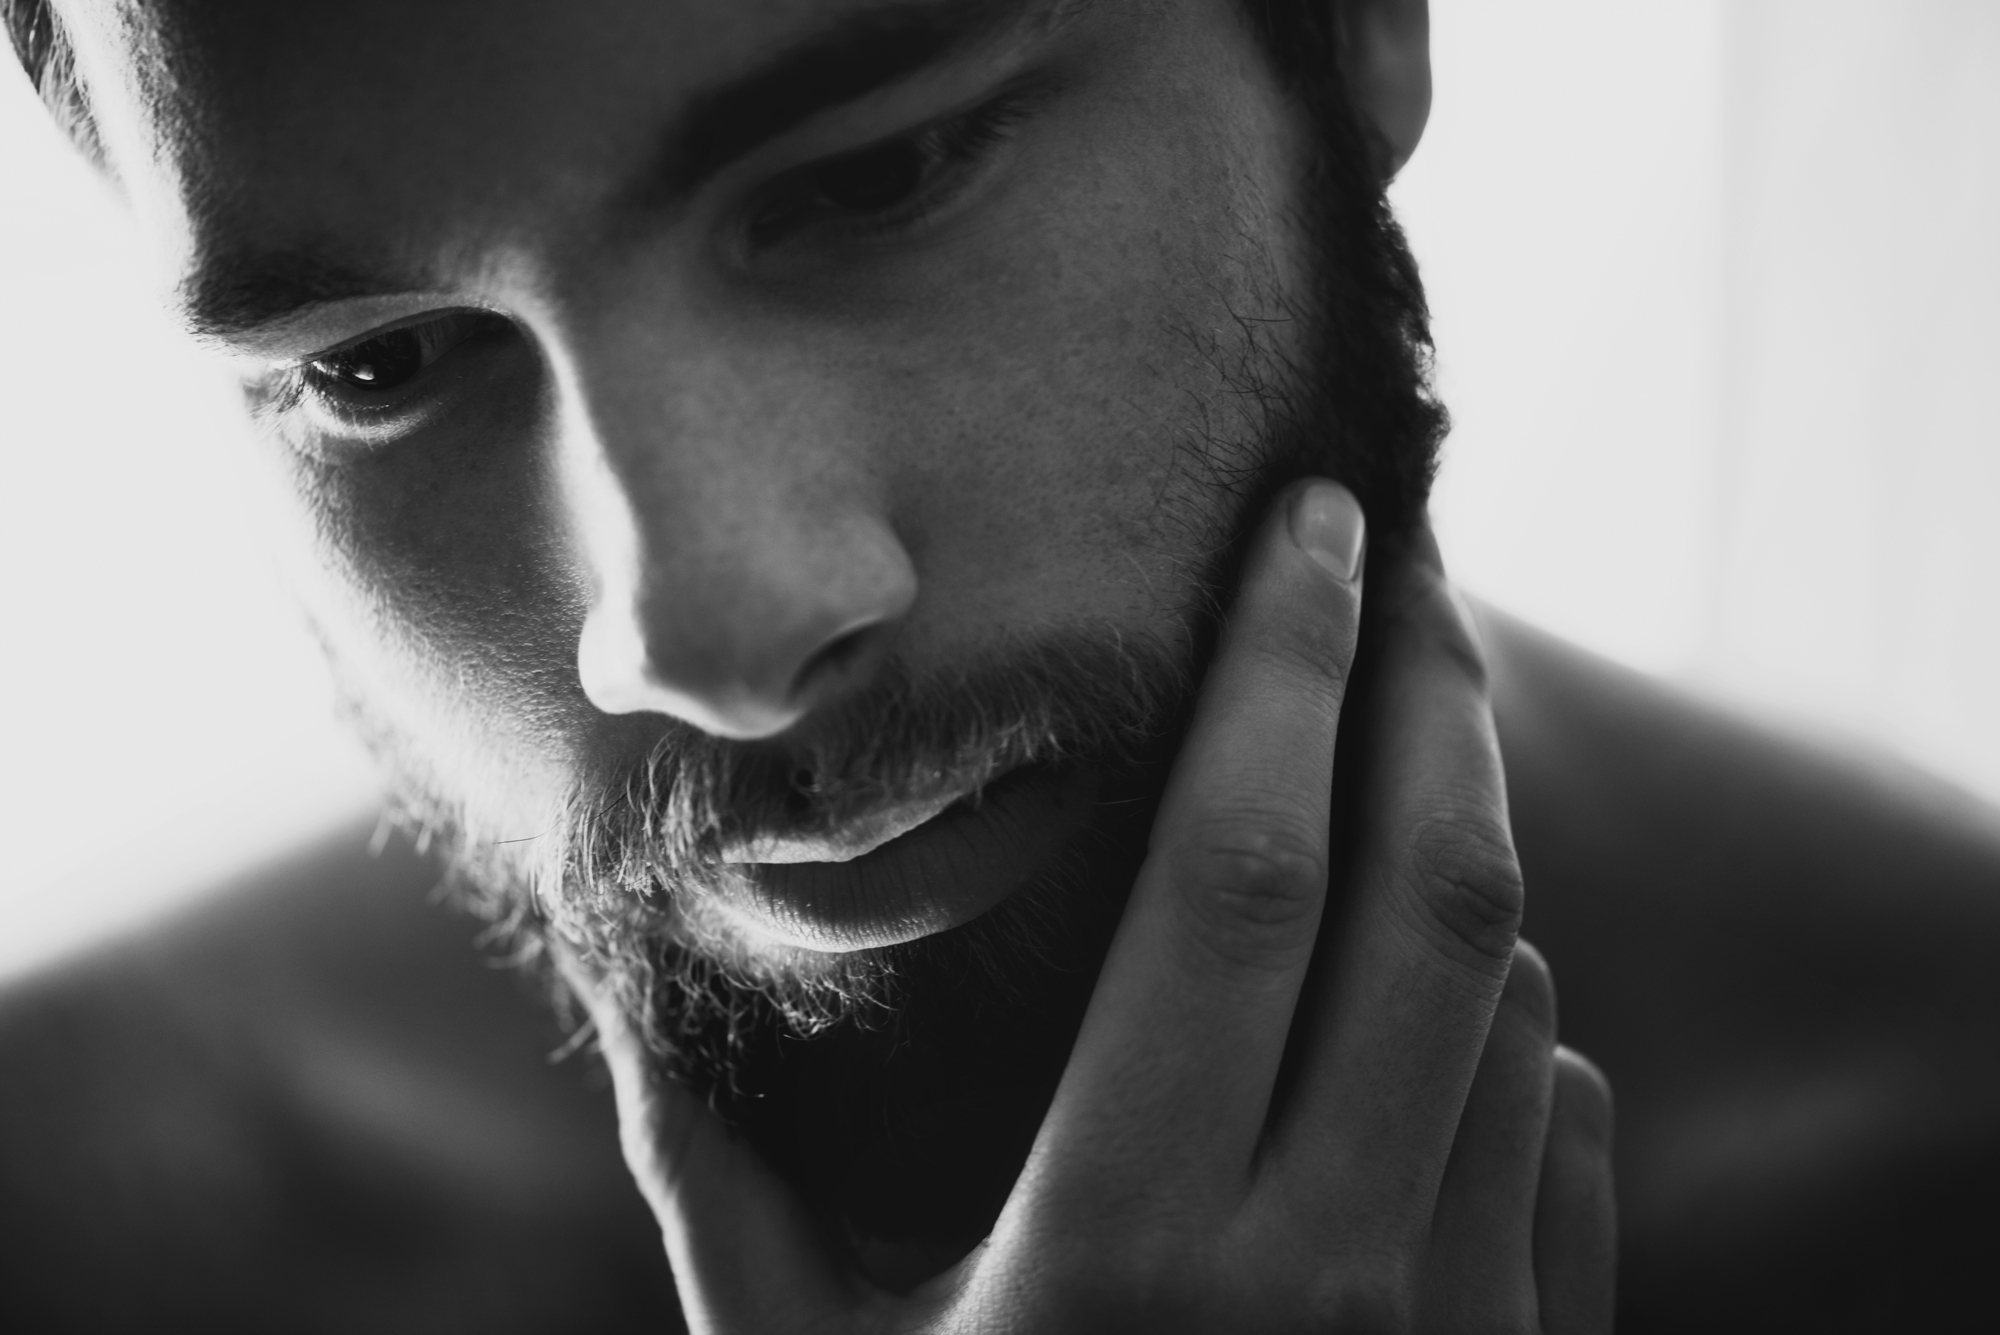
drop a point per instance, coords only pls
(857, 838)
(912, 869)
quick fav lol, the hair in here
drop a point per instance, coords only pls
(1373, 380)
(45, 52)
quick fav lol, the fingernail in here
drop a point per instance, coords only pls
(1327, 523)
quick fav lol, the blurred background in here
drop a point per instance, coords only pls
(1715, 289)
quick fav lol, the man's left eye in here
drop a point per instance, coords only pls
(893, 182)
(875, 178)
(387, 361)
(380, 363)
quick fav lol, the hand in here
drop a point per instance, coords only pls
(1263, 1126)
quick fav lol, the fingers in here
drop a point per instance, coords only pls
(1389, 1041)
(1480, 1271)
(1187, 1026)
(745, 1254)
(1576, 1218)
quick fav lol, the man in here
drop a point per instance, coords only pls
(812, 502)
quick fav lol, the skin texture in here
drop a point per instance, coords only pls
(696, 441)
(718, 457)
(1262, 1125)
(459, 581)
(1666, 893)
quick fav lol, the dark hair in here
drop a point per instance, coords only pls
(1373, 386)
(46, 54)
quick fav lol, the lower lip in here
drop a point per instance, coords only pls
(945, 872)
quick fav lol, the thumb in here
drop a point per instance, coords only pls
(746, 1254)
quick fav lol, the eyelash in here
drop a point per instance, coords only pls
(436, 337)
(946, 148)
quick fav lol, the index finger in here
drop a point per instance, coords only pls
(1185, 1032)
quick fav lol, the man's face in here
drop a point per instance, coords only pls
(648, 375)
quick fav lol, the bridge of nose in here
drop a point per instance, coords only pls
(729, 507)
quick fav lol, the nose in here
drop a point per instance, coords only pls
(800, 621)
(743, 569)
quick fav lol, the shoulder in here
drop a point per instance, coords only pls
(1782, 949)
(308, 1103)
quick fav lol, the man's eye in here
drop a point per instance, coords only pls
(894, 182)
(380, 363)
(875, 178)
(387, 361)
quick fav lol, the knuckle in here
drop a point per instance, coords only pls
(1467, 885)
(1252, 889)
(1434, 617)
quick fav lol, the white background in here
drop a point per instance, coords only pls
(1715, 287)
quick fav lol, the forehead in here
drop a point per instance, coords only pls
(253, 117)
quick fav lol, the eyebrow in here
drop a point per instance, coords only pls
(244, 290)
(858, 53)
(236, 292)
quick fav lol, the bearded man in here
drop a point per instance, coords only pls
(883, 543)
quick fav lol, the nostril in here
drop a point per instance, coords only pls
(837, 664)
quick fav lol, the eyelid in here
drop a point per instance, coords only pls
(932, 97)
(993, 115)
(413, 321)
(313, 414)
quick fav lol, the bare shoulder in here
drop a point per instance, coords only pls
(309, 1103)
(1784, 952)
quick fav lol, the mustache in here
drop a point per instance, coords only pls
(629, 888)
(1097, 697)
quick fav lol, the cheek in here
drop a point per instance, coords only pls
(438, 576)
(1043, 412)
(1065, 421)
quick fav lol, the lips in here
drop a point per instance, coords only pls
(914, 869)
(853, 840)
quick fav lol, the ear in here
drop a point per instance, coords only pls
(1386, 55)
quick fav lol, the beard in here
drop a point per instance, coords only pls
(632, 882)
(899, 1088)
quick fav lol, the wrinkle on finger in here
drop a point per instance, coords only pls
(1253, 904)
(1464, 893)
(1438, 822)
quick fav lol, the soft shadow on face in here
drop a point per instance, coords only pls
(636, 883)
(900, 1088)
(1064, 401)
(897, 1087)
